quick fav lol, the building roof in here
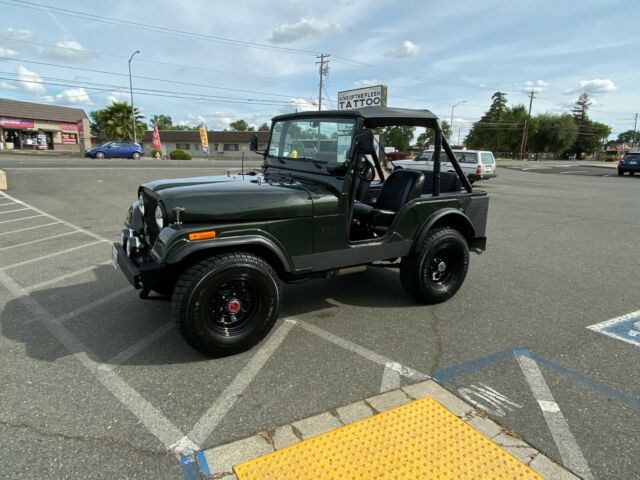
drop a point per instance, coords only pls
(193, 136)
(39, 111)
(373, 116)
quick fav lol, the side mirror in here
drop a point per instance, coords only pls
(335, 168)
(253, 144)
(364, 142)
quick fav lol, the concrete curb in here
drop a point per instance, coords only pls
(3, 180)
(218, 462)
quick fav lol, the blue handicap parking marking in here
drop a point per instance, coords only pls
(625, 328)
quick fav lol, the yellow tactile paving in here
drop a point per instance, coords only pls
(420, 440)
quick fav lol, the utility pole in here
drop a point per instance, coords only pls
(324, 70)
(133, 110)
(635, 125)
(525, 131)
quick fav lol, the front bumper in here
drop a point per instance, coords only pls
(145, 275)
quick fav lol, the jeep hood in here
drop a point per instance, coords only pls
(233, 198)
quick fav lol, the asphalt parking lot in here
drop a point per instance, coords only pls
(97, 383)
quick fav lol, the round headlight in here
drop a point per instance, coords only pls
(141, 202)
(160, 216)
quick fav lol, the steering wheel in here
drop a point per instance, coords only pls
(365, 170)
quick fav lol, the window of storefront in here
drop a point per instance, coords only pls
(183, 146)
(231, 147)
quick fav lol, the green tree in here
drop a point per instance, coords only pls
(398, 137)
(164, 122)
(240, 126)
(428, 136)
(486, 133)
(113, 122)
(264, 127)
(552, 133)
(628, 137)
(591, 135)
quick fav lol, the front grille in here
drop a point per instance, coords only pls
(150, 217)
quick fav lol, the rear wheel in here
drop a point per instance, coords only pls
(437, 270)
(136, 156)
(226, 303)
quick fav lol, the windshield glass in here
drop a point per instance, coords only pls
(321, 140)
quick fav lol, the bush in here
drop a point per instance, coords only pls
(179, 155)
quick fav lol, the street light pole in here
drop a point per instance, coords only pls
(452, 109)
(133, 110)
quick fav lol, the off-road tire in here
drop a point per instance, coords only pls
(441, 245)
(204, 287)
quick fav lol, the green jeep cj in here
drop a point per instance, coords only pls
(220, 246)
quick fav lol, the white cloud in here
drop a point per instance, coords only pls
(298, 105)
(593, 87)
(408, 49)
(74, 95)
(366, 83)
(291, 32)
(29, 81)
(7, 52)
(16, 34)
(68, 50)
(536, 87)
(114, 97)
(7, 86)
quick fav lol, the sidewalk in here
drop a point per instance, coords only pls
(424, 432)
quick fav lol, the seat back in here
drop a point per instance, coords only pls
(399, 188)
(449, 182)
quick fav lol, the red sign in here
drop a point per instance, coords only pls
(156, 138)
(12, 122)
(69, 139)
(80, 127)
(69, 127)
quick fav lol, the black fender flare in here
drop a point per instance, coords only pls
(236, 241)
(460, 220)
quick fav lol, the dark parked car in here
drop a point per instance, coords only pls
(220, 246)
(630, 163)
(118, 149)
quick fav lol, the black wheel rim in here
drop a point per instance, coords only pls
(231, 306)
(443, 266)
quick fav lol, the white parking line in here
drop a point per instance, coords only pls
(90, 306)
(137, 347)
(362, 351)
(70, 225)
(212, 417)
(155, 422)
(38, 240)
(390, 377)
(15, 210)
(53, 281)
(22, 218)
(570, 452)
(29, 228)
(574, 171)
(50, 255)
(8, 203)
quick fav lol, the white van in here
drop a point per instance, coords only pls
(477, 164)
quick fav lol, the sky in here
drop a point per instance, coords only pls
(222, 61)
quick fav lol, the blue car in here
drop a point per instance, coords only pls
(630, 163)
(117, 149)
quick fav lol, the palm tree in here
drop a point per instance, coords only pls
(114, 122)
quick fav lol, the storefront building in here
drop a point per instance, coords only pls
(222, 145)
(38, 127)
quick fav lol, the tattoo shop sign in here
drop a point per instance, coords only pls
(375, 96)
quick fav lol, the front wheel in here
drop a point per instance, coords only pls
(226, 303)
(435, 272)
(620, 173)
(100, 155)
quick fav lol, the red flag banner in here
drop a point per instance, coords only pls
(155, 136)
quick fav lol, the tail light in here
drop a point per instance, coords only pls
(478, 169)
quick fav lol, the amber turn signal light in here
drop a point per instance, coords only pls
(202, 235)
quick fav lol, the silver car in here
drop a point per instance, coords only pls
(476, 164)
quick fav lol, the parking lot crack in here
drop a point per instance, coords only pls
(435, 326)
(85, 438)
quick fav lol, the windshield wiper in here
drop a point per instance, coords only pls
(312, 160)
(280, 159)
